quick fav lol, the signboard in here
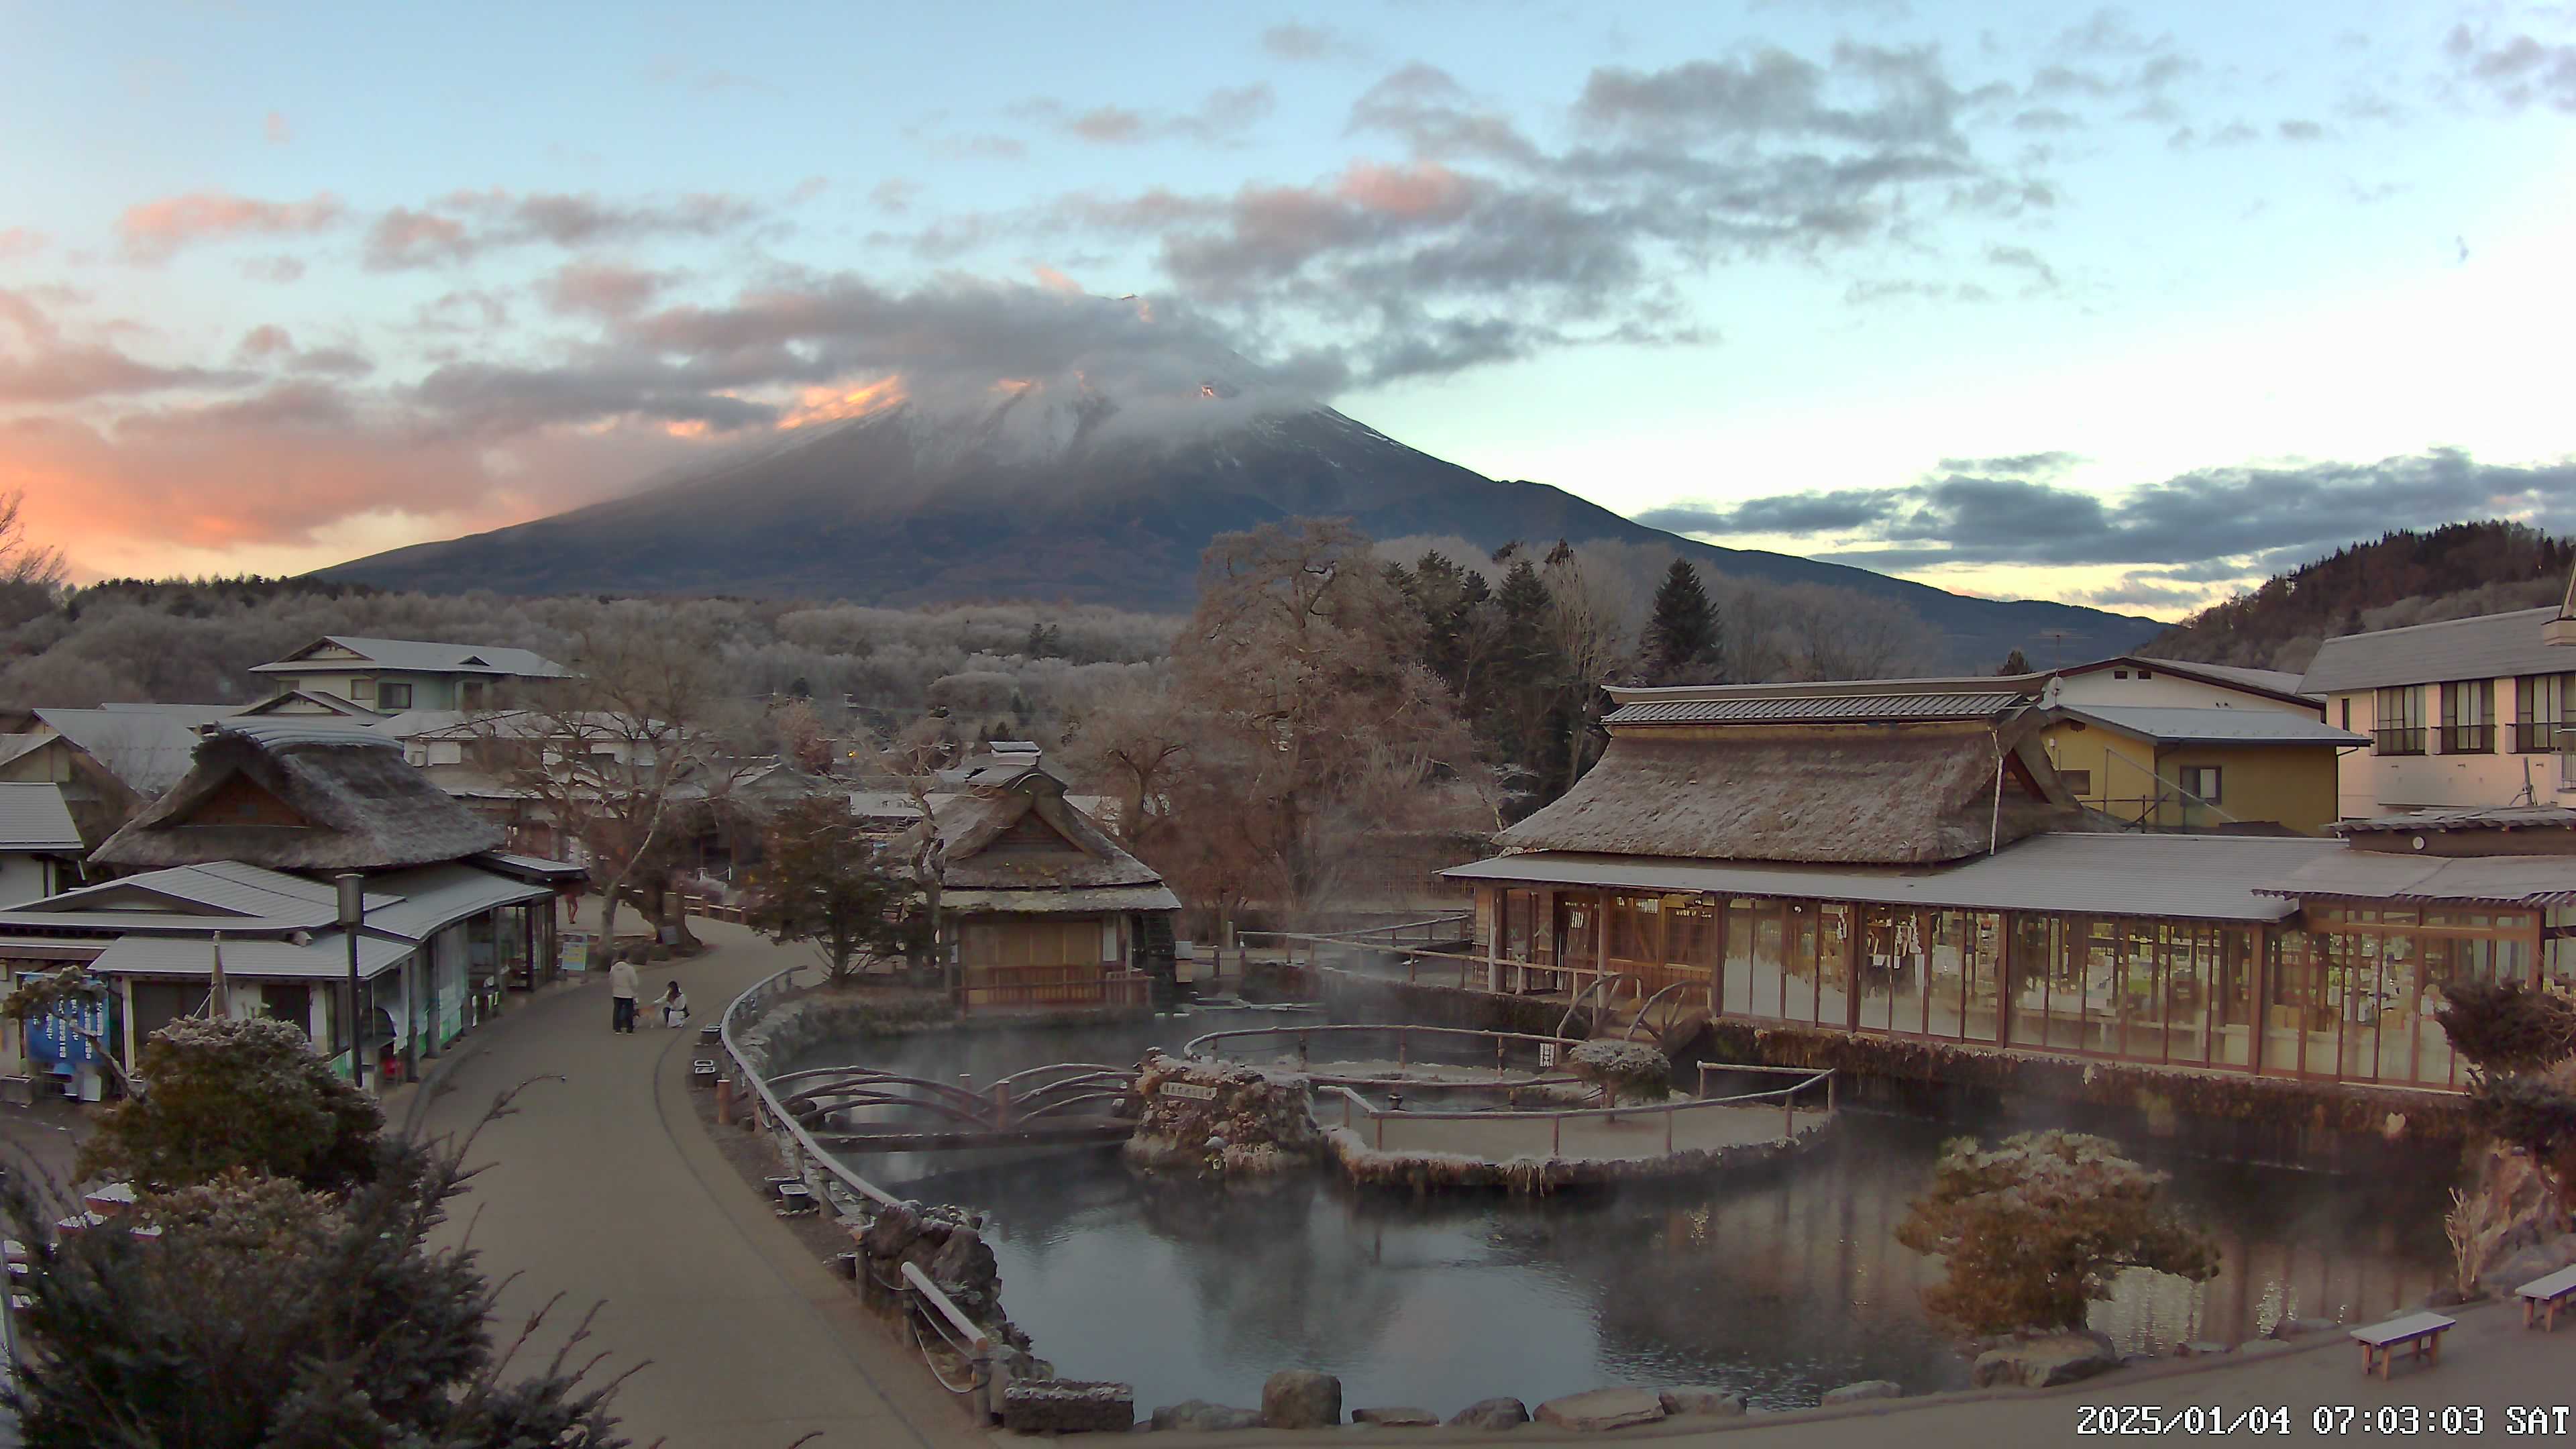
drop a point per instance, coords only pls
(1190, 1091)
(573, 951)
(57, 1037)
(1547, 1054)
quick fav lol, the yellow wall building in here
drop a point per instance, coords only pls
(2200, 769)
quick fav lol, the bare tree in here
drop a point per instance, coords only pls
(1590, 614)
(612, 751)
(1133, 740)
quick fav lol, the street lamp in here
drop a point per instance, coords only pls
(353, 911)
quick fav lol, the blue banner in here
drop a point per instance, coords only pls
(56, 1036)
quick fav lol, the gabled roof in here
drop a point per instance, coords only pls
(2175, 725)
(34, 818)
(360, 807)
(225, 895)
(322, 700)
(2493, 646)
(1021, 835)
(146, 750)
(435, 896)
(1909, 794)
(2277, 683)
(2489, 880)
(419, 656)
(1838, 701)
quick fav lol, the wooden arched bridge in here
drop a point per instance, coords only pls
(861, 1109)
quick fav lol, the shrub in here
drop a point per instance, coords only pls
(222, 1096)
(1623, 1070)
(2036, 1229)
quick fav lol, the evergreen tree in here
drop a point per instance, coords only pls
(1522, 727)
(2015, 663)
(1682, 633)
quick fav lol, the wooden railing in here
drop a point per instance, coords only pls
(1355, 1107)
(1072, 985)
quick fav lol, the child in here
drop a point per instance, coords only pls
(675, 1006)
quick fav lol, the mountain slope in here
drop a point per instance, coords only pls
(898, 509)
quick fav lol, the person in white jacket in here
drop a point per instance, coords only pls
(621, 996)
(675, 1006)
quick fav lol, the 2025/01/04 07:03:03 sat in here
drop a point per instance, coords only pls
(2394, 1420)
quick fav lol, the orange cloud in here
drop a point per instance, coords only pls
(840, 400)
(153, 231)
(1426, 189)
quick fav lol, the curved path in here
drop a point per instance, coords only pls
(604, 1187)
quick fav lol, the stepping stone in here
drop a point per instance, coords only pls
(1603, 1409)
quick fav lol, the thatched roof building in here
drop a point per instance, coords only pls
(1911, 772)
(300, 795)
(1016, 844)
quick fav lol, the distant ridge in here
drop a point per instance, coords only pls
(892, 509)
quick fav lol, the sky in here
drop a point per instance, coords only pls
(2121, 308)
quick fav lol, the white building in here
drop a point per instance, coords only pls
(389, 676)
(2465, 713)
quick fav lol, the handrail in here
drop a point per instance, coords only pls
(1632, 1109)
(1191, 1047)
(1648, 1005)
(922, 1283)
(766, 1101)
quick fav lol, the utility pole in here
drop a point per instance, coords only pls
(353, 912)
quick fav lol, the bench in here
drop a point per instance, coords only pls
(2544, 1296)
(2419, 1333)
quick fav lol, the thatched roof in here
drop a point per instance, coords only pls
(307, 797)
(1021, 834)
(1913, 794)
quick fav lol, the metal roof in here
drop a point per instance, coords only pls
(246, 896)
(1788, 709)
(420, 656)
(307, 729)
(327, 958)
(532, 866)
(2277, 681)
(2187, 877)
(435, 896)
(2213, 725)
(149, 751)
(2501, 880)
(2492, 646)
(2474, 817)
(33, 817)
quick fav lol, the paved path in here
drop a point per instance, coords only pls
(604, 1187)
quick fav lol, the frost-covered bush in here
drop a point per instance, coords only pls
(1623, 1070)
(224, 1096)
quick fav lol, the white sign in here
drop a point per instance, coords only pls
(1191, 1090)
(1547, 1054)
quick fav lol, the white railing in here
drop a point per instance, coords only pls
(1354, 1105)
(922, 1299)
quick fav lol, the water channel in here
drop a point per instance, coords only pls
(1779, 1282)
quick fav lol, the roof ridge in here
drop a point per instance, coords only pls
(2549, 609)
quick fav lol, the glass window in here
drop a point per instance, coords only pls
(2346, 704)
(2468, 717)
(2078, 782)
(391, 696)
(2541, 710)
(2202, 780)
(2398, 725)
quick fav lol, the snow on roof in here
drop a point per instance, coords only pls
(421, 656)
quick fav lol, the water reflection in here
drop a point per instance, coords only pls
(1781, 1283)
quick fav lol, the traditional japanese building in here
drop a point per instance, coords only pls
(1900, 859)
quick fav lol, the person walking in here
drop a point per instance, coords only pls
(675, 1007)
(621, 996)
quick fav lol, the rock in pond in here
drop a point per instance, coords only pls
(1702, 1399)
(1301, 1399)
(1603, 1409)
(1490, 1414)
(1068, 1406)
(1198, 1416)
(2040, 1363)
(2199, 1348)
(1401, 1418)
(1864, 1390)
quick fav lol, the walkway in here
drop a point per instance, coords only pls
(603, 1187)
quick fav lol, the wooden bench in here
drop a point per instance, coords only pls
(2544, 1296)
(2419, 1333)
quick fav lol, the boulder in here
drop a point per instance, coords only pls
(1301, 1399)
(1702, 1399)
(2199, 1348)
(1603, 1409)
(2041, 1363)
(893, 1230)
(1198, 1416)
(964, 1259)
(1865, 1390)
(1406, 1418)
(1068, 1406)
(1490, 1414)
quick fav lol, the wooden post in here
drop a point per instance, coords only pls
(1668, 1131)
(724, 1101)
(1789, 1118)
(1346, 1107)
(1829, 1095)
(1556, 1135)
(1381, 1128)
(1401, 1057)
(1002, 1106)
(1498, 1058)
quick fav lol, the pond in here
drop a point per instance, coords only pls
(1779, 1282)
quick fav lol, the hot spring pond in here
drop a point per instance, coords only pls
(1780, 1282)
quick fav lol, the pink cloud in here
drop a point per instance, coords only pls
(600, 289)
(154, 231)
(276, 129)
(18, 243)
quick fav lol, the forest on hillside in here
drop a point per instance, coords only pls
(2405, 576)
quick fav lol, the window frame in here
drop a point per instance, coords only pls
(2468, 717)
(2536, 730)
(393, 694)
(2400, 702)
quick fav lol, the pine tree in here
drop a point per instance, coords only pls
(2015, 663)
(1682, 634)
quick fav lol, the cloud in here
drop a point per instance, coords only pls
(2517, 70)
(41, 365)
(17, 243)
(280, 269)
(707, 80)
(275, 129)
(464, 224)
(2141, 591)
(2302, 131)
(1307, 43)
(2260, 514)
(1221, 116)
(2043, 277)
(271, 345)
(2016, 465)
(600, 289)
(154, 231)
(894, 195)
